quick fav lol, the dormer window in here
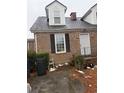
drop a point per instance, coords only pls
(57, 19)
(55, 12)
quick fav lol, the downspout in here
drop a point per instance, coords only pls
(35, 38)
(28, 46)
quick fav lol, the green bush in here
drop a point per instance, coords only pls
(78, 61)
(31, 57)
(31, 54)
(41, 55)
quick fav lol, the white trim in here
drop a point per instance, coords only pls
(28, 45)
(64, 43)
(59, 20)
(35, 37)
(57, 15)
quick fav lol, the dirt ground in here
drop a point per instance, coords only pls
(89, 79)
(65, 80)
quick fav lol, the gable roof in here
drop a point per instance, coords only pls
(41, 25)
(88, 12)
(53, 2)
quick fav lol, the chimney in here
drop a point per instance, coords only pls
(73, 16)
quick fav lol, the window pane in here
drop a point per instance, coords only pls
(56, 13)
(57, 20)
(60, 43)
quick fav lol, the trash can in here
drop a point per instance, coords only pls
(41, 66)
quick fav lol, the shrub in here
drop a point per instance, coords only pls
(31, 55)
(78, 61)
(41, 55)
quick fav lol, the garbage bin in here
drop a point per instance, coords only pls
(41, 66)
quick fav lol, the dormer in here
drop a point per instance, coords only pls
(91, 15)
(55, 12)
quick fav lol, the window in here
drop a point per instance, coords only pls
(56, 13)
(57, 20)
(60, 43)
(57, 17)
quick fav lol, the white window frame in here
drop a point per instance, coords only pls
(57, 22)
(57, 15)
(56, 43)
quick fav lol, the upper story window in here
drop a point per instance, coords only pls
(57, 19)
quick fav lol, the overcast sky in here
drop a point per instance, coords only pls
(37, 8)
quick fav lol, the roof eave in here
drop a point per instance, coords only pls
(88, 22)
(56, 30)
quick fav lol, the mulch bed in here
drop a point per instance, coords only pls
(89, 79)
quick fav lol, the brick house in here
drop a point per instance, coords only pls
(62, 37)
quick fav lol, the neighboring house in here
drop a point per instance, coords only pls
(62, 37)
(30, 45)
(91, 15)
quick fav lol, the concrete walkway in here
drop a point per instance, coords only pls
(56, 82)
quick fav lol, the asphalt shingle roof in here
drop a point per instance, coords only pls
(41, 25)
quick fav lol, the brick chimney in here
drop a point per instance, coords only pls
(73, 16)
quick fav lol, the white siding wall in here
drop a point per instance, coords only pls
(92, 18)
(56, 7)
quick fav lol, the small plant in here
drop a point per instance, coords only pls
(78, 61)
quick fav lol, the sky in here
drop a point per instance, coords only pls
(36, 8)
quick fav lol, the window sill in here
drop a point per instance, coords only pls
(63, 52)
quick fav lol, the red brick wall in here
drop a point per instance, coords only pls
(44, 45)
(93, 43)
